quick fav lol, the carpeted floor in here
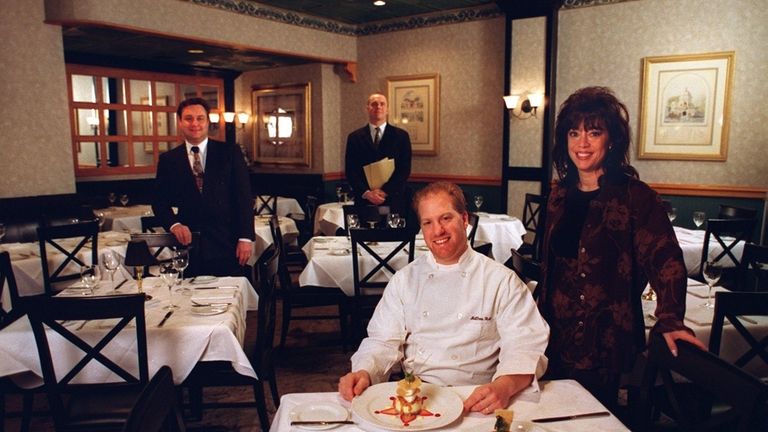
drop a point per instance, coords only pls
(312, 361)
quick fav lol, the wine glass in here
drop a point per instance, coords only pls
(101, 218)
(339, 193)
(169, 275)
(180, 263)
(124, 199)
(711, 275)
(111, 264)
(478, 201)
(392, 220)
(2, 232)
(89, 277)
(112, 197)
(672, 214)
(698, 218)
(353, 221)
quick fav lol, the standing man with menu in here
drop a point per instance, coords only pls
(373, 142)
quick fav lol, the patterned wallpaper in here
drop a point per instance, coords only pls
(618, 36)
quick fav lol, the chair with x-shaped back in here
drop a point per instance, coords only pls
(526, 268)
(70, 240)
(77, 406)
(532, 221)
(157, 409)
(150, 224)
(264, 205)
(474, 221)
(374, 252)
(720, 244)
(753, 271)
(160, 242)
(732, 306)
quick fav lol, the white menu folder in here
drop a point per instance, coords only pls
(379, 172)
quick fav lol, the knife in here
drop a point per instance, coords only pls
(192, 280)
(571, 417)
(165, 318)
(120, 284)
(320, 422)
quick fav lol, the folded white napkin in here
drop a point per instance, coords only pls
(219, 296)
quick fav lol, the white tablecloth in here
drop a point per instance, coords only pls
(557, 398)
(285, 206)
(692, 242)
(127, 219)
(699, 319)
(329, 217)
(503, 231)
(184, 340)
(263, 238)
(329, 262)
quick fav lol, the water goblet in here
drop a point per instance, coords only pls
(111, 264)
(124, 199)
(698, 218)
(478, 201)
(401, 222)
(672, 214)
(169, 275)
(180, 263)
(89, 277)
(101, 218)
(711, 273)
(112, 197)
(392, 220)
(339, 193)
(353, 221)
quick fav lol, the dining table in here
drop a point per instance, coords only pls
(692, 243)
(565, 400)
(125, 218)
(212, 332)
(505, 232)
(285, 206)
(699, 319)
(264, 240)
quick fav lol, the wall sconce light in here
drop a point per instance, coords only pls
(213, 118)
(229, 117)
(242, 118)
(530, 103)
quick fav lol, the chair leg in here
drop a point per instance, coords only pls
(261, 405)
(28, 402)
(286, 320)
(273, 389)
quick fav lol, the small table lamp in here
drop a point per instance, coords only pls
(139, 256)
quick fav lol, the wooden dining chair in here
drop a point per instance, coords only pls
(305, 222)
(157, 408)
(368, 287)
(265, 205)
(260, 354)
(533, 210)
(753, 269)
(151, 224)
(727, 234)
(306, 297)
(57, 236)
(160, 242)
(89, 407)
(707, 381)
(732, 306)
(474, 222)
(525, 267)
(736, 212)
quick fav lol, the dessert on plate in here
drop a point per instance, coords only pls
(407, 403)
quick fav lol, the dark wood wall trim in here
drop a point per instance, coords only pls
(729, 191)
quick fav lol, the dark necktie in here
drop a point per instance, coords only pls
(197, 168)
(376, 137)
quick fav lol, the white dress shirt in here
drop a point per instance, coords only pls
(463, 324)
(372, 129)
(203, 146)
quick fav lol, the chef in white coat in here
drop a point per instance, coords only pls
(453, 316)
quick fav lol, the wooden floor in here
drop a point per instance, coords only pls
(312, 361)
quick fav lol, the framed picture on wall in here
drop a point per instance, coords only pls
(414, 105)
(685, 107)
(282, 127)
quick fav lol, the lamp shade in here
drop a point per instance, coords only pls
(138, 254)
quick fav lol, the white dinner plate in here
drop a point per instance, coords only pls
(205, 279)
(323, 240)
(209, 310)
(318, 411)
(340, 252)
(445, 404)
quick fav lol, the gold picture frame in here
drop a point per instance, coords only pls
(282, 124)
(685, 107)
(414, 105)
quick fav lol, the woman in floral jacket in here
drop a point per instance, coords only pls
(607, 235)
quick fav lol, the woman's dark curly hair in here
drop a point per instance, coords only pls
(596, 107)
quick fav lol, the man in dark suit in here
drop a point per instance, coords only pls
(208, 182)
(363, 149)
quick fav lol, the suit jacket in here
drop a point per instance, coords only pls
(395, 144)
(223, 213)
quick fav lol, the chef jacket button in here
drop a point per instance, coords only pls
(463, 274)
(431, 276)
(425, 314)
(454, 357)
(460, 315)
